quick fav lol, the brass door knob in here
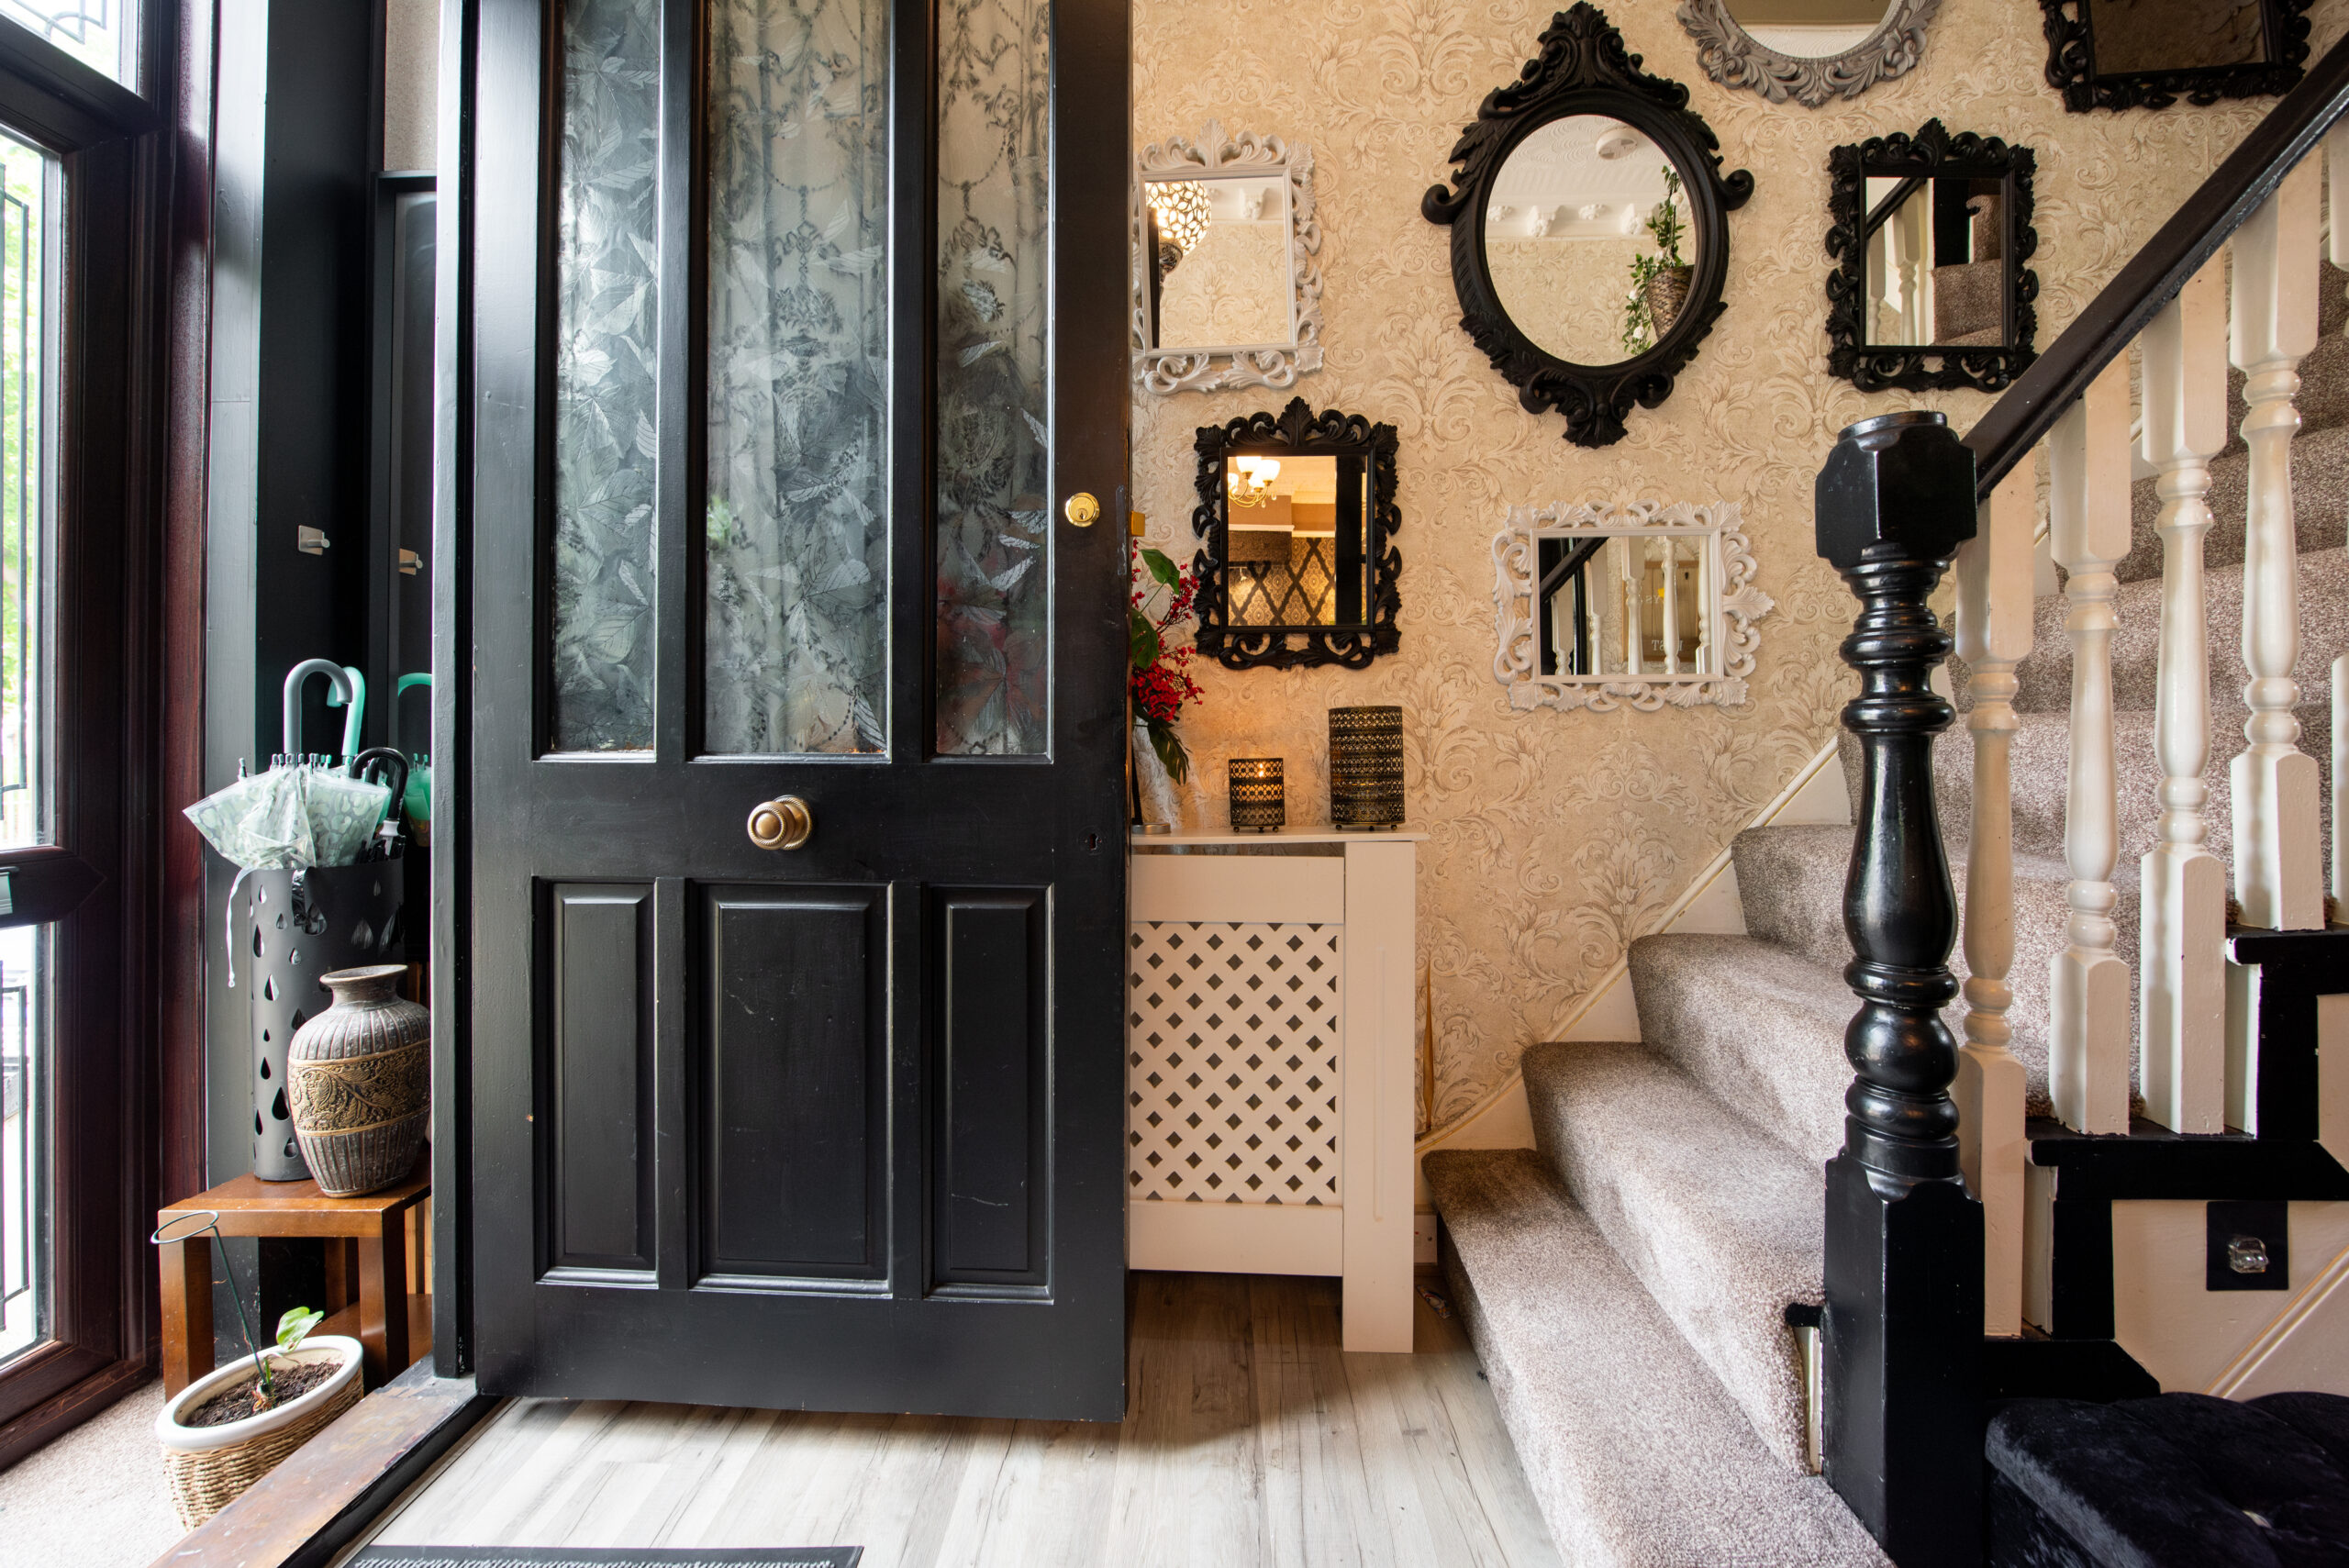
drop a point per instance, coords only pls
(782, 824)
(1082, 509)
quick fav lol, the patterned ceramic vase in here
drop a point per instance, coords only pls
(359, 1076)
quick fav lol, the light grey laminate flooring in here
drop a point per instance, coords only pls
(1250, 1437)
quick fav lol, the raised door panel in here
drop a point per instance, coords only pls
(990, 1220)
(793, 1064)
(599, 1076)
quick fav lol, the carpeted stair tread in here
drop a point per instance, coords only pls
(2043, 681)
(1760, 1028)
(1790, 881)
(1638, 1456)
(1722, 1224)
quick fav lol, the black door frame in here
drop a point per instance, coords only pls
(494, 309)
(121, 1097)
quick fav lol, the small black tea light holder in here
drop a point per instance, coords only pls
(1366, 767)
(1259, 794)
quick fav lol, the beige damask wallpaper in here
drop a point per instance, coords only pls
(1568, 293)
(1556, 837)
(1232, 290)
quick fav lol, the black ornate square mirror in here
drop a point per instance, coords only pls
(1295, 520)
(2128, 54)
(1930, 236)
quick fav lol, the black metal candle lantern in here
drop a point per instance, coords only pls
(1366, 767)
(1259, 794)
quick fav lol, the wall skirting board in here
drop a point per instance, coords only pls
(1709, 903)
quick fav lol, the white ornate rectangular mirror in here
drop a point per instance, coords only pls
(1650, 605)
(1225, 291)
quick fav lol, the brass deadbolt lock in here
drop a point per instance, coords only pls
(1082, 509)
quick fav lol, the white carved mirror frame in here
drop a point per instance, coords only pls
(1238, 155)
(1709, 537)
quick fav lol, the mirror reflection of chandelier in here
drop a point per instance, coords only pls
(1249, 479)
(1181, 208)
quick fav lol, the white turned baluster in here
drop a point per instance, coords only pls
(2087, 1066)
(1994, 624)
(1671, 605)
(1631, 649)
(2182, 980)
(2279, 877)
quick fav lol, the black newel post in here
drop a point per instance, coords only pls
(1903, 1324)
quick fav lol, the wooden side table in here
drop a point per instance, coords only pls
(392, 1325)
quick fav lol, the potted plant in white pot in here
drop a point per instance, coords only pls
(230, 1428)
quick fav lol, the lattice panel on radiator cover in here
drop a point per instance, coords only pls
(1232, 1063)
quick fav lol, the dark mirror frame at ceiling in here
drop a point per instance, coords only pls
(1932, 153)
(2071, 63)
(1297, 432)
(1583, 69)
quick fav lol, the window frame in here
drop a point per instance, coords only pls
(122, 1096)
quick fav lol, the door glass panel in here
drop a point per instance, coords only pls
(797, 537)
(101, 34)
(25, 637)
(607, 382)
(994, 462)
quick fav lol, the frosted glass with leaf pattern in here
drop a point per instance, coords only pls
(796, 527)
(606, 382)
(994, 458)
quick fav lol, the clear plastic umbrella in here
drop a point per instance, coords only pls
(302, 812)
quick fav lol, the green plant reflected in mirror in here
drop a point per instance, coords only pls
(1589, 218)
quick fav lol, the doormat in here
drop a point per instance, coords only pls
(601, 1557)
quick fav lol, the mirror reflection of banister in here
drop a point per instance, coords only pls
(1645, 603)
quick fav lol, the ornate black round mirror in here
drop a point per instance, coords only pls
(1589, 228)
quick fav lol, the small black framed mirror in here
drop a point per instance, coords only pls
(1295, 522)
(2131, 54)
(1931, 234)
(1589, 228)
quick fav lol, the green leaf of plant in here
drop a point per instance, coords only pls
(1142, 642)
(1169, 747)
(1160, 567)
(296, 1326)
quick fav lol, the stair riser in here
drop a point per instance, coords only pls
(1772, 1054)
(2040, 755)
(2320, 479)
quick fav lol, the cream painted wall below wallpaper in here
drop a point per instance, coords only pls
(1556, 837)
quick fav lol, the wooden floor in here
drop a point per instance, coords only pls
(1250, 1437)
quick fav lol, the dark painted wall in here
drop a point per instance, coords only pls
(298, 131)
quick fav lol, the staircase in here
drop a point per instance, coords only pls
(1629, 1283)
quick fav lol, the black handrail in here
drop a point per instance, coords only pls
(2153, 276)
(1891, 205)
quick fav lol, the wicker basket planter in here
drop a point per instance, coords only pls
(1667, 292)
(209, 1466)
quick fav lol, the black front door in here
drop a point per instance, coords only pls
(798, 328)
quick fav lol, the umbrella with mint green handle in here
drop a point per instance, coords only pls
(417, 802)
